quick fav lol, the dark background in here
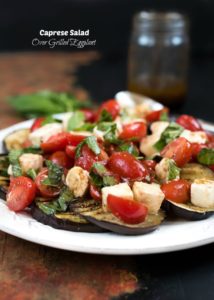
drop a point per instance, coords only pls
(109, 22)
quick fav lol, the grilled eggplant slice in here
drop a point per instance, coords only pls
(4, 178)
(16, 139)
(110, 222)
(188, 211)
(194, 171)
(70, 221)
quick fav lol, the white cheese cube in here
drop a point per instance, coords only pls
(65, 119)
(202, 193)
(195, 136)
(149, 194)
(77, 181)
(158, 127)
(122, 190)
(44, 133)
(30, 161)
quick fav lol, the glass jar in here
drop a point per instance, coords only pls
(158, 57)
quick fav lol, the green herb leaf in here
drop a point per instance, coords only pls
(76, 120)
(49, 208)
(14, 161)
(174, 171)
(45, 103)
(206, 156)
(105, 116)
(65, 198)
(33, 150)
(86, 127)
(164, 116)
(49, 119)
(55, 173)
(130, 148)
(111, 135)
(91, 141)
(32, 173)
(100, 176)
(172, 132)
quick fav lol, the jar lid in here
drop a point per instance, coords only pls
(160, 21)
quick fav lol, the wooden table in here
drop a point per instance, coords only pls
(30, 271)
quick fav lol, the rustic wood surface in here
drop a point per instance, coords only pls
(30, 271)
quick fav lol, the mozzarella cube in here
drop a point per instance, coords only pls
(77, 181)
(158, 127)
(44, 133)
(149, 194)
(125, 102)
(202, 193)
(195, 136)
(98, 133)
(83, 133)
(122, 190)
(30, 161)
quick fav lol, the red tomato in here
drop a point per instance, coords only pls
(196, 148)
(180, 150)
(156, 114)
(127, 166)
(37, 124)
(74, 139)
(210, 143)
(177, 190)
(189, 122)
(111, 106)
(95, 193)
(70, 151)
(90, 115)
(129, 211)
(88, 158)
(150, 166)
(45, 190)
(55, 142)
(60, 158)
(22, 192)
(27, 144)
(211, 167)
(136, 130)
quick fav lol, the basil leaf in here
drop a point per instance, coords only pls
(111, 135)
(49, 119)
(55, 173)
(49, 208)
(14, 161)
(32, 173)
(91, 142)
(172, 132)
(206, 156)
(104, 126)
(44, 103)
(100, 176)
(164, 116)
(130, 148)
(105, 116)
(59, 205)
(33, 150)
(76, 120)
(65, 198)
(174, 171)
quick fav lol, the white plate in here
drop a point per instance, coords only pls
(170, 236)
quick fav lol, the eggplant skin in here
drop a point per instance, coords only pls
(111, 223)
(184, 213)
(63, 224)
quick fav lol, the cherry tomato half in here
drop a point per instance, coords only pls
(189, 122)
(136, 130)
(129, 211)
(70, 151)
(61, 158)
(45, 190)
(88, 158)
(196, 148)
(111, 106)
(156, 114)
(177, 190)
(21, 193)
(180, 150)
(127, 166)
(37, 124)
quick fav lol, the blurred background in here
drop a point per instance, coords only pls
(103, 73)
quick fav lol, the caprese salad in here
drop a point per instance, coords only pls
(121, 167)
